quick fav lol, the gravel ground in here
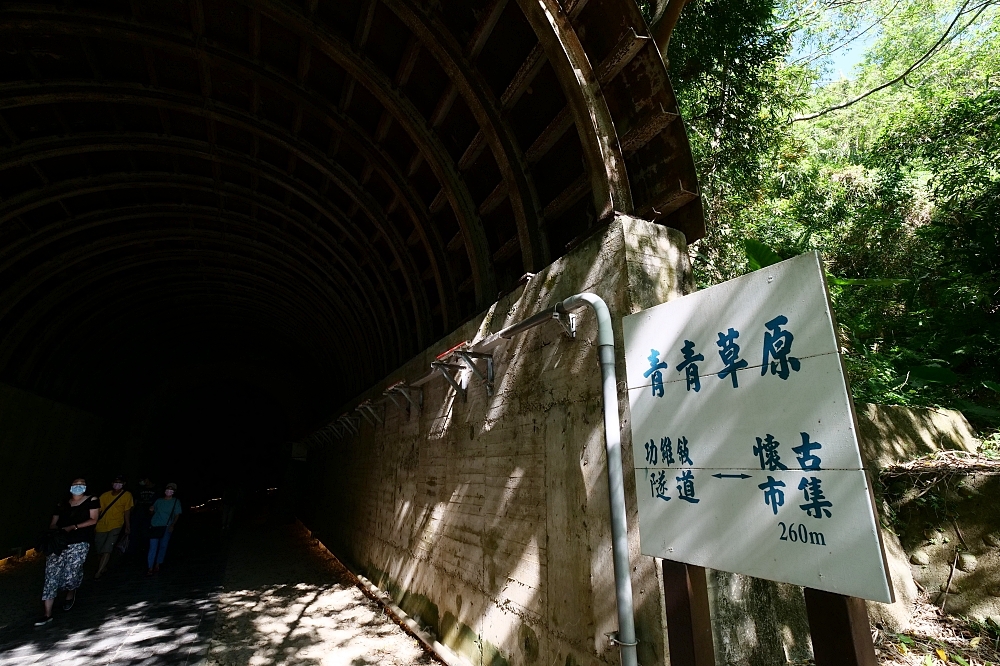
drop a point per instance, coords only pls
(269, 594)
(938, 640)
(265, 593)
(286, 600)
(124, 619)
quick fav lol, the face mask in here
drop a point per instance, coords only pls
(116, 486)
(78, 489)
(168, 493)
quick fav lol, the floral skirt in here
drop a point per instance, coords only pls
(65, 570)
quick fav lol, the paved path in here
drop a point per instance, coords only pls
(264, 594)
(124, 618)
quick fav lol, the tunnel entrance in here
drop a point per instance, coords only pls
(297, 198)
(221, 221)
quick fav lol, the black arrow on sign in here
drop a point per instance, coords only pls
(732, 476)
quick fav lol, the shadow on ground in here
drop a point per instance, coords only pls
(265, 593)
(126, 617)
(289, 601)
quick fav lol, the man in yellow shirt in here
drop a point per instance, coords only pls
(116, 508)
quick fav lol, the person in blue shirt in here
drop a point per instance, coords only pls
(164, 515)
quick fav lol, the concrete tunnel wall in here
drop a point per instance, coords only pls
(43, 445)
(489, 519)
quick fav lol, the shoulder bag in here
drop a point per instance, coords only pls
(104, 511)
(93, 535)
(157, 531)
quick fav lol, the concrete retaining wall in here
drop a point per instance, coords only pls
(488, 519)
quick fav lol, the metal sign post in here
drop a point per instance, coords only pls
(746, 452)
(689, 625)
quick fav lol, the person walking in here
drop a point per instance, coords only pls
(165, 513)
(144, 499)
(232, 497)
(115, 516)
(64, 570)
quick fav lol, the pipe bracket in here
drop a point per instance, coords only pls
(470, 360)
(443, 368)
(567, 320)
(407, 391)
(613, 639)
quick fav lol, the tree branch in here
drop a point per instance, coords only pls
(919, 61)
(806, 60)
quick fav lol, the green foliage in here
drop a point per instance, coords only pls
(759, 255)
(646, 9)
(900, 191)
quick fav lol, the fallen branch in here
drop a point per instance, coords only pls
(947, 586)
(958, 531)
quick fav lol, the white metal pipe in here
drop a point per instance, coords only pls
(626, 639)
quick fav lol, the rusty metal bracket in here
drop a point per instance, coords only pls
(367, 407)
(470, 360)
(444, 369)
(408, 391)
(403, 408)
(567, 320)
(349, 423)
(364, 415)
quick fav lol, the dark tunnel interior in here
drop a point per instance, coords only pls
(221, 219)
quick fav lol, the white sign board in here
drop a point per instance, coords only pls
(743, 434)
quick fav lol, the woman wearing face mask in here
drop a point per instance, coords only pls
(165, 512)
(64, 571)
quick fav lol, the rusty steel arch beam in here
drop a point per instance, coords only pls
(50, 148)
(409, 118)
(386, 322)
(439, 41)
(308, 302)
(598, 136)
(280, 271)
(341, 52)
(96, 307)
(89, 220)
(83, 224)
(112, 182)
(61, 92)
(82, 252)
(226, 282)
(359, 361)
(135, 142)
(51, 301)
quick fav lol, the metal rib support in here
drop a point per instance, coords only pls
(365, 415)
(405, 392)
(469, 358)
(371, 410)
(443, 368)
(388, 394)
(349, 424)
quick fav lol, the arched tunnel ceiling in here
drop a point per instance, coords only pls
(322, 187)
